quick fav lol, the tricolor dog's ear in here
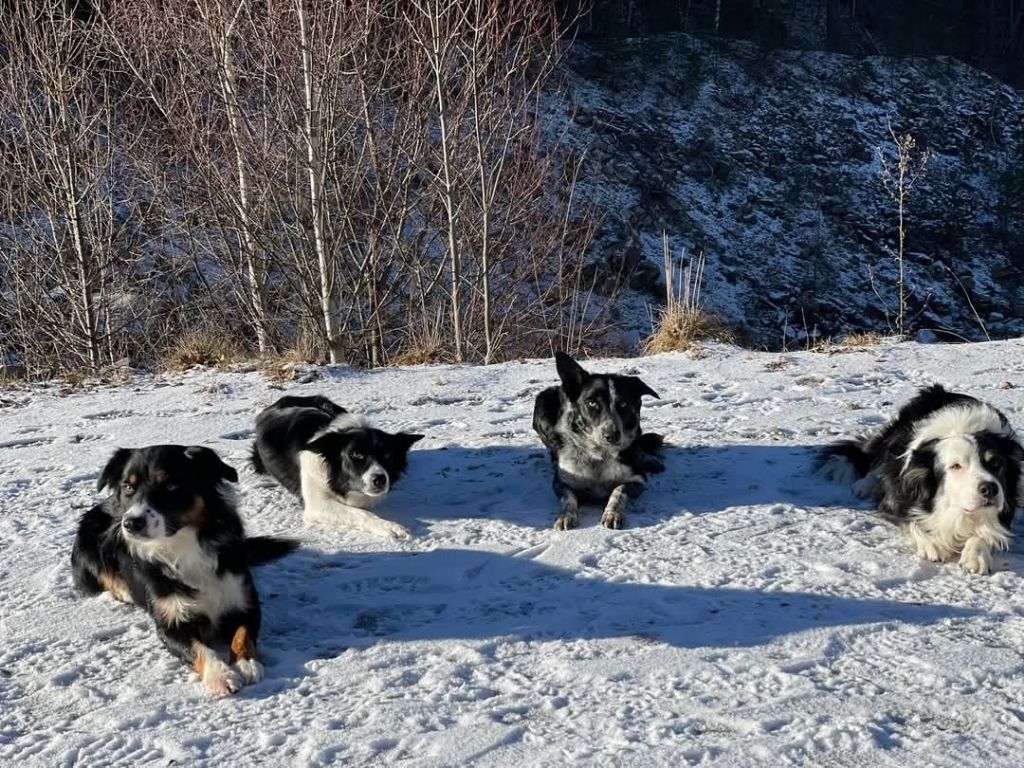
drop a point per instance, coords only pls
(210, 464)
(404, 440)
(111, 474)
(635, 387)
(571, 373)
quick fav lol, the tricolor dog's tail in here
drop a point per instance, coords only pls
(265, 549)
(844, 462)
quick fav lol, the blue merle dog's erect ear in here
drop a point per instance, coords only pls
(210, 464)
(636, 388)
(404, 440)
(111, 474)
(571, 374)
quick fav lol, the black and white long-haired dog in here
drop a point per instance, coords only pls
(169, 538)
(591, 427)
(947, 468)
(333, 460)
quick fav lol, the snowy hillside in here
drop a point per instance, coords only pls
(749, 615)
(767, 162)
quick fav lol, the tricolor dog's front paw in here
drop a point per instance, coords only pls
(220, 679)
(250, 670)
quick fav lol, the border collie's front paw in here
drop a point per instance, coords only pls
(396, 531)
(866, 487)
(220, 679)
(250, 670)
(566, 520)
(613, 519)
(928, 551)
(976, 559)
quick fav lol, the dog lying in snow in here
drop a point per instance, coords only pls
(333, 460)
(168, 538)
(591, 427)
(947, 468)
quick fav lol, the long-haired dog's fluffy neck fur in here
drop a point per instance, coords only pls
(169, 538)
(590, 425)
(338, 464)
(947, 468)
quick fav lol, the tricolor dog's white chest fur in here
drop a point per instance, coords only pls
(185, 559)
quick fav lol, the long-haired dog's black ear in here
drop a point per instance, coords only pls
(405, 440)
(918, 477)
(330, 445)
(211, 464)
(111, 474)
(571, 374)
(636, 387)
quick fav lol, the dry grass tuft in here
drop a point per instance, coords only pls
(201, 348)
(861, 339)
(682, 322)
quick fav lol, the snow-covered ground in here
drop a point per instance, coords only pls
(749, 615)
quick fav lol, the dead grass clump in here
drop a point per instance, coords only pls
(861, 339)
(683, 322)
(201, 348)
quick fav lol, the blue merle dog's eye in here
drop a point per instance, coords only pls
(593, 405)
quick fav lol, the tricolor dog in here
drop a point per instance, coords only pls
(168, 538)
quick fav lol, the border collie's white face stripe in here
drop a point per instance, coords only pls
(375, 470)
(958, 420)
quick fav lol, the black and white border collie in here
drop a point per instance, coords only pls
(168, 538)
(333, 460)
(947, 468)
(591, 427)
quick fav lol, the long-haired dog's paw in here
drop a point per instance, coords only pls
(613, 519)
(250, 669)
(220, 680)
(566, 521)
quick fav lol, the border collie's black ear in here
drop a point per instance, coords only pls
(636, 387)
(917, 479)
(571, 373)
(210, 463)
(111, 474)
(330, 445)
(405, 440)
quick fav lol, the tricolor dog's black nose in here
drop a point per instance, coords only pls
(379, 481)
(134, 524)
(988, 489)
(611, 434)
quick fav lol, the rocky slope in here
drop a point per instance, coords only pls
(767, 162)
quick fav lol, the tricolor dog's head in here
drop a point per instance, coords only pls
(363, 463)
(605, 407)
(162, 489)
(967, 460)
